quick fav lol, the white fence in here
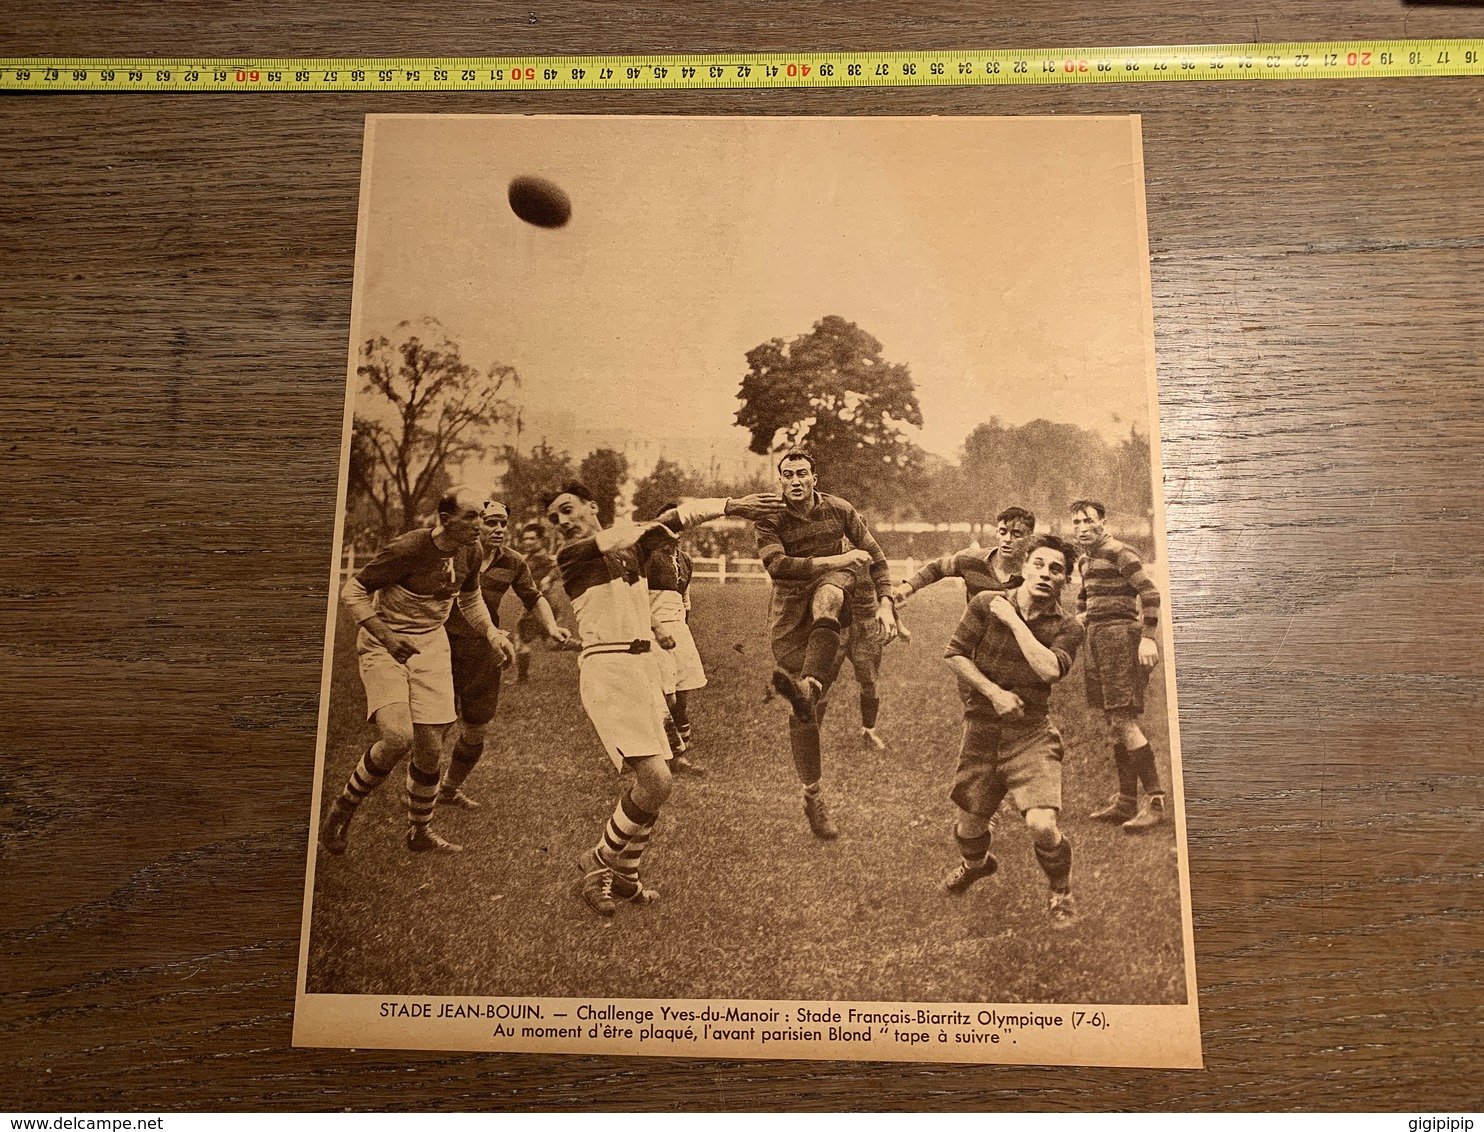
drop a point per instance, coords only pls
(723, 569)
(720, 570)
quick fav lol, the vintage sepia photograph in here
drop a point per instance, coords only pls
(749, 627)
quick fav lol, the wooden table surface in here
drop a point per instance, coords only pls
(174, 309)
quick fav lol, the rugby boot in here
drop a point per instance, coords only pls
(802, 693)
(1120, 809)
(817, 810)
(421, 839)
(963, 875)
(1151, 815)
(632, 891)
(596, 886)
(1063, 909)
(456, 797)
(335, 833)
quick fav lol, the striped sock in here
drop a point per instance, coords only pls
(672, 734)
(629, 821)
(422, 794)
(626, 864)
(366, 777)
(463, 759)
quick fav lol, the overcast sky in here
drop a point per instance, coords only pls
(1001, 259)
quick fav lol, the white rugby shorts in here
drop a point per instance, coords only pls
(424, 683)
(621, 694)
(667, 610)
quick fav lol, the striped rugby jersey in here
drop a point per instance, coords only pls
(1115, 587)
(973, 566)
(411, 583)
(990, 644)
(608, 591)
(786, 541)
(505, 570)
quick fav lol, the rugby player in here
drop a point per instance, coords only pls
(476, 667)
(813, 579)
(667, 570)
(863, 646)
(995, 568)
(1007, 652)
(619, 681)
(543, 567)
(401, 599)
(1120, 607)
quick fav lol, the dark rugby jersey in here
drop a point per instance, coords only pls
(412, 583)
(668, 568)
(1115, 587)
(973, 566)
(506, 570)
(543, 565)
(786, 541)
(989, 643)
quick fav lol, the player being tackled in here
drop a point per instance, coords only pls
(619, 679)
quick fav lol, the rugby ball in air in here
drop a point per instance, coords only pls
(540, 202)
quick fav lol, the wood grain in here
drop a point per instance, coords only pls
(173, 320)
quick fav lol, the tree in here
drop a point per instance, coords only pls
(831, 392)
(422, 411)
(604, 471)
(666, 484)
(528, 478)
(1044, 465)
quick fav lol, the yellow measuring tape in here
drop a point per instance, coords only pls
(1400, 58)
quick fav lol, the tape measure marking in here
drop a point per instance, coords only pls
(1358, 59)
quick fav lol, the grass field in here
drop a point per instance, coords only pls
(753, 906)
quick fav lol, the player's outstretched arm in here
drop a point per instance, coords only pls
(693, 512)
(759, 505)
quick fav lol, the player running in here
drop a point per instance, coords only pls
(476, 666)
(1007, 652)
(619, 681)
(813, 580)
(401, 599)
(1115, 598)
